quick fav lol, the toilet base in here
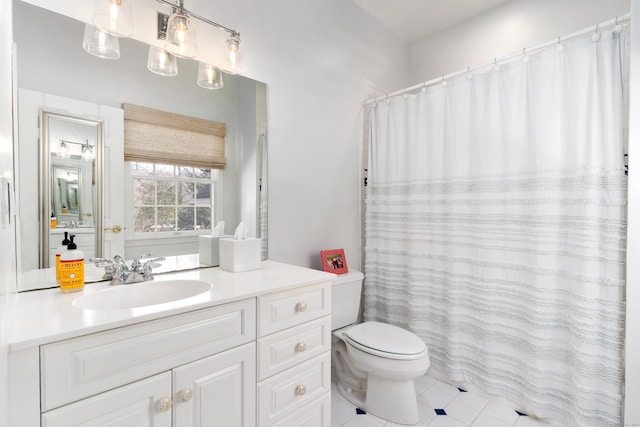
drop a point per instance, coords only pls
(394, 401)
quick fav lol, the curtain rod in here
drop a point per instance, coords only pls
(523, 52)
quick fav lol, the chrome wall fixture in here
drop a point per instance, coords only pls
(114, 18)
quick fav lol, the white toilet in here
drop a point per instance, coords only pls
(374, 363)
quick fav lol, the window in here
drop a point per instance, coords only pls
(169, 198)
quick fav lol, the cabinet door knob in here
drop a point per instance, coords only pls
(300, 390)
(301, 347)
(164, 404)
(301, 307)
(185, 395)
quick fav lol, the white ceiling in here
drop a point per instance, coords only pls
(413, 20)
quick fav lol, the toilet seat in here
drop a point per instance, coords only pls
(383, 340)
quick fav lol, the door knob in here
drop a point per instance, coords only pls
(115, 229)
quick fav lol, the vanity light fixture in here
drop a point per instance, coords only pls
(161, 62)
(63, 150)
(114, 17)
(181, 34)
(178, 27)
(234, 64)
(209, 76)
(87, 151)
(100, 44)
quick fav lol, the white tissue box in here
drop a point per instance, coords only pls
(209, 250)
(238, 255)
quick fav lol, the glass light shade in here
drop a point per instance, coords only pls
(114, 17)
(100, 44)
(162, 62)
(234, 63)
(181, 36)
(209, 76)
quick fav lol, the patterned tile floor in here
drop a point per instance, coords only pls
(440, 405)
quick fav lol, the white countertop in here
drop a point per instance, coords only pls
(45, 316)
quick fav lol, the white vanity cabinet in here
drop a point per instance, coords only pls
(294, 358)
(189, 370)
(256, 354)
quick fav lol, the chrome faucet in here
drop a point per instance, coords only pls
(120, 274)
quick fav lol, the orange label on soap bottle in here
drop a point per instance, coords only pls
(71, 274)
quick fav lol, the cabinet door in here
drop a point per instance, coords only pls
(134, 405)
(217, 391)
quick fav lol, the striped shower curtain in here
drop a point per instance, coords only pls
(496, 226)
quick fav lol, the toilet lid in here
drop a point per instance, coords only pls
(386, 340)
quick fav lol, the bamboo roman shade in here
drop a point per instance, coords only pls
(156, 136)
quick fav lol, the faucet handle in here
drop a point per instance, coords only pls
(101, 262)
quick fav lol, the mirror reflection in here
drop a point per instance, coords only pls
(55, 74)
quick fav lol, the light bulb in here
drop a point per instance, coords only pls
(234, 63)
(209, 76)
(114, 17)
(181, 36)
(161, 62)
(100, 44)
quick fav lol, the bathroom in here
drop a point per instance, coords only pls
(321, 60)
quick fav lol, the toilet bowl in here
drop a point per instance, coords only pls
(374, 364)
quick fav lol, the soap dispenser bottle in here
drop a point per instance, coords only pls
(53, 221)
(59, 250)
(71, 268)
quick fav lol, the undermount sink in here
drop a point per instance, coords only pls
(142, 294)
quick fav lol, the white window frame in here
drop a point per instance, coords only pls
(132, 236)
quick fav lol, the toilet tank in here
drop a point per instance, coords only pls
(345, 299)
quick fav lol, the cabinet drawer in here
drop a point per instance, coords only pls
(281, 394)
(287, 309)
(76, 368)
(133, 405)
(315, 414)
(284, 349)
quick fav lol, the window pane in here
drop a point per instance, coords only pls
(144, 220)
(185, 172)
(186, 218)
(164, 170)
(166, 193)
(185, 193)
(138, 168)
(203, 218)
(144, 192)
(203, 195)
(202, 173)
(166, 219)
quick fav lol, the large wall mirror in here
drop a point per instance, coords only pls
(57, 80)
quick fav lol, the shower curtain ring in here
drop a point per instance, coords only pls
(596, 36)
(469, 76)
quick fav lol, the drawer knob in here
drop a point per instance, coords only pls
(185, 395)
(300, 390)
(164, 404)
(301, 307)
(301, 347)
